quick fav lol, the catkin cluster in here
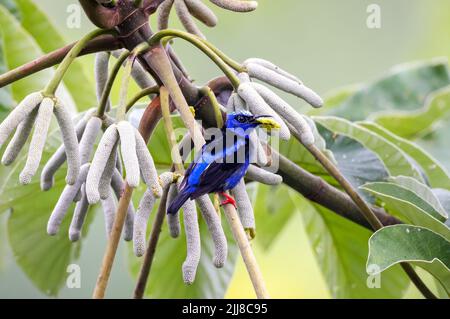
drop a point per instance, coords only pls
(187, 9)
(36, 111)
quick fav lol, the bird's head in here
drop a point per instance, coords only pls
(246, 121)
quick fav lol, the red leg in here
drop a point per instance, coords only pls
(228, 200)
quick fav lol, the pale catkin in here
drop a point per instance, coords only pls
(101, 72)
(173, 220)
(128, 150)
(244, 206)
(201, 12)
(64, 202)
(19, 139)
(129, 224)
(213, 222)
(236, 5)
(287, 112)
(37, 144)
(79, 216)
(99, 161)
(164, 14)
(104, 187)
(70, 141)
(193, 243)
(18, 114)
(140, 222)
(119, 165)
(88, 139)
(269, 65)
(285, 84)
(109, 212)
(59, 157)
(258, 154)
(185, 18)
(147, 166)
(258, 106)
(262, 176)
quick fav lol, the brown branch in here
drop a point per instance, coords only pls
(104, 43)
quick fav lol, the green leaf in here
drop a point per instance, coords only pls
(405, 243)
(436, 173)
(340, 247)
(395, 160)
(358, 164)
(422, 191)
(272, 215)
(20, 48)
(43, 259)
(405, 88)
(414, 123)
(335, 98)
(408, 207)
(47, 36)
(165, 280)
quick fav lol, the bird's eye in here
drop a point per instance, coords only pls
(240, 119)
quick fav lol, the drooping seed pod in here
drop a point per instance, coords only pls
(236, 5)
(258, 106)
(99, 161)
(212, 220)
(65, 200)
(263, 176)
(173, 220)
(143, 213)
(79, 216)
(201, 12)
(185, 18)
(193, 244)
(104, 187)
(128, 150)
(164, 14)
(88, 139)
(70, 141)
(269, 65)
(19, 139)
(244, 206)
(101, 71)
(287, 112)
(37, 141)
(147, 165)
(284, 83)
(59, 157)
(109, 212)
(258, 153)
(18, 114)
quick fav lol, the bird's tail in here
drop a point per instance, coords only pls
(177, 202)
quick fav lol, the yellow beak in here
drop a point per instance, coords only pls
(268, 123)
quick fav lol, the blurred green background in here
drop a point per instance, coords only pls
(326, 43)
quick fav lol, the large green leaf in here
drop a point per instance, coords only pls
(49, 38)
(43, 258)
(436, 173)
(20, 48)
(415, 123)
(272, 215)
(405, 243)
(423, 191)
(436, 143)
(340, 247)
(408, 207)
(405, 88)
(395, 160)
(166, 280)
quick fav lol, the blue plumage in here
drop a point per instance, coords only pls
(222, 162)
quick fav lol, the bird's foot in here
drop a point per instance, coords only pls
(228, 200)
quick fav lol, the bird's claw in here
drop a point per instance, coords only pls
(228, 200)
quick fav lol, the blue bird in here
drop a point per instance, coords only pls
(223, 161)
